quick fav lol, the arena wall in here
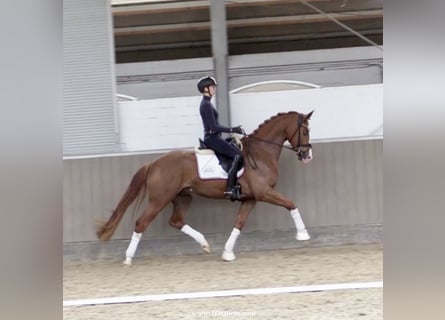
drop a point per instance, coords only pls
(339, 194)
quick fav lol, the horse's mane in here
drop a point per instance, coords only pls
(267, 121)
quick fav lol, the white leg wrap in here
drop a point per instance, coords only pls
(302, 233)
(129, 254)
(198, 236)
(193, 233)
(232, 239)
(297, 219)
(228, 254)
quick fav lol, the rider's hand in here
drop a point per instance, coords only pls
(237, 129)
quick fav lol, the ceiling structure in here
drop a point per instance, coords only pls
(163, 30)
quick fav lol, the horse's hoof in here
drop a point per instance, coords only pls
(206, 248)
(228, 256)
(303, 235)
(127, 262)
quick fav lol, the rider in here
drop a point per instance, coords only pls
(212, 135)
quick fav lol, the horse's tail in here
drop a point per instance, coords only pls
(137, 185)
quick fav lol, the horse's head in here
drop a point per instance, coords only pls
(299, 137)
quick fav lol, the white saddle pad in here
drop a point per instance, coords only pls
(209, 167)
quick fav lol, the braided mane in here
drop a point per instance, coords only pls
(267, 121)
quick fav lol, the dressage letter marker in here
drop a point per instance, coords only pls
(223, 293)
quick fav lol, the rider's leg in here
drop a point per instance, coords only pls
(232, 189)
(223, 147)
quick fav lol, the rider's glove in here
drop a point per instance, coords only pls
(237, 129)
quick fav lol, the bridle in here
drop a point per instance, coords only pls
(296, 149)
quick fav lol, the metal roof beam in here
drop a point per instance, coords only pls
(138, 7)
(251, 22)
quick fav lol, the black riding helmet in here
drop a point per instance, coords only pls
(206, 82)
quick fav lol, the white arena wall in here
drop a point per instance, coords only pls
(341, 114)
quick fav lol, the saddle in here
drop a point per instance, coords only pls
(212, 165)
(224, 161)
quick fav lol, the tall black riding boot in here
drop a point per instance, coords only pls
(233, 191)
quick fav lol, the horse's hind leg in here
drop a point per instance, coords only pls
(180, 207)
(141, 224)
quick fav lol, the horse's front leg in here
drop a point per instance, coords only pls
(274, 197)
(243, 213)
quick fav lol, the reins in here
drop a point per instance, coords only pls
(277, 144)
(249, 155)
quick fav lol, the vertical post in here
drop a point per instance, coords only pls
(220, 53)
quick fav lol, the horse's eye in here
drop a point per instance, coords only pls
(305, 133)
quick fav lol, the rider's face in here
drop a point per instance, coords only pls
(212, 90)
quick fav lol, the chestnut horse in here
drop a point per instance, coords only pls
(174, 178)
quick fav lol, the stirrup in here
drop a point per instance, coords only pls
(234, 194)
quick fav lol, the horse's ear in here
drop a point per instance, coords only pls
(308, 116)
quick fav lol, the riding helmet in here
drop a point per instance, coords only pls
(206, 82)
